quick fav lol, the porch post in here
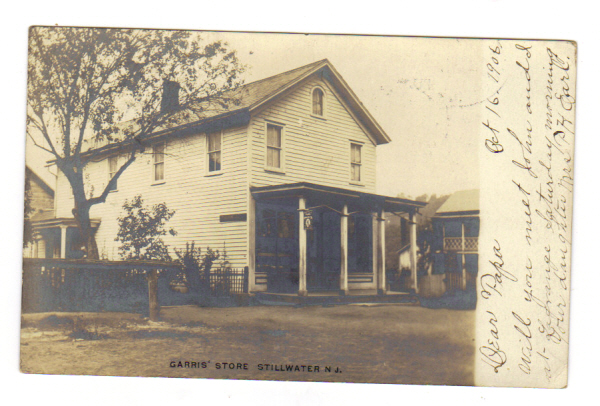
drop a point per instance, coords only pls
(381, 289)
(344, 246)
(463, 279)
(251, 243)
(36, 248)
(374, 250)
(301, 248)
(63, 242)
(412, 227)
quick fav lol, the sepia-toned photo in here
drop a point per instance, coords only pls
(298, 207)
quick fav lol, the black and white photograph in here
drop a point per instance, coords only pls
(288, 213)
(195, 201)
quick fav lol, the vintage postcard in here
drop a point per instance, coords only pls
(336, 208)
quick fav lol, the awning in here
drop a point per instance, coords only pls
(319, 194)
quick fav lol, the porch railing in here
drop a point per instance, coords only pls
(226, 281)
(455, 244)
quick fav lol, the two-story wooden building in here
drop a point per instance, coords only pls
(284, 182)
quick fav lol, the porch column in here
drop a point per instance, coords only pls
(63, 242)
(251, 243)
(344, 246)
(463, 279)
(412, 228)
(381, 289)
(301, 248)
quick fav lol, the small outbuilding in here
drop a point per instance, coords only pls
(454, 246)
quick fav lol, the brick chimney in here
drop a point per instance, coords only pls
(170, 99)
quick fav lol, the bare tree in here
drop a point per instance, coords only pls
(90, 88)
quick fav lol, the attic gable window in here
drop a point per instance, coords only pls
(274, 146)
(317, 102)
(355, 162)
(214, 151)
(158, 153)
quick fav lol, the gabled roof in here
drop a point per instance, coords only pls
(39, 180)
(234, 108)
(462, 202)
(252, 96)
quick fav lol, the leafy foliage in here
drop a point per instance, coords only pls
(195, 264)
(90, 87)
(141, 230)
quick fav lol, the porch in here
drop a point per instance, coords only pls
(59, 237)
(315, 241)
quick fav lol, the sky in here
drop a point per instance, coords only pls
(424, 92)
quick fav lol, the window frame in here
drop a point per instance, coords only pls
(207, 171)
(312, 102)
(155, 163)
(359, 164)
(116, 159)
(281, 148)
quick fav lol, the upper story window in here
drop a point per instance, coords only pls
(214, 151)
(317, 102)
(158, 152)
(113, 167)
(274, 146)
(355, 162)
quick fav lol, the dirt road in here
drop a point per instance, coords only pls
(386, 344)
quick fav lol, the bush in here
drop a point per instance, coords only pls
(141, 230)
(196, 267)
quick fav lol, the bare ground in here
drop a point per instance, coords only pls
(385, 344)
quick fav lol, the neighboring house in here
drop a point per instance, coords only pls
(42, 203)
(455, 244)
(284, 182)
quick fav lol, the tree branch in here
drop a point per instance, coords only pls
(112, 183)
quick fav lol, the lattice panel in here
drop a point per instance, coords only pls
(455, 244)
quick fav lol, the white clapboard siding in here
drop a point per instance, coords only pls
(198, 199)
(63, 197)
(315, 150)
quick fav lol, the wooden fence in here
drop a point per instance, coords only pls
(138, 286)
(225, 282)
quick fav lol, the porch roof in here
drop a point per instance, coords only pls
(60, 221)
(319, 193)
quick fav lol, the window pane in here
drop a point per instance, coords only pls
(356, 153)
(159, 171)
(112, 163)
(214, 161)
(159, 153)
(273, 136)
(355, 172)
(285, 225)
(214, 142)
(318, 102)
(273, 157)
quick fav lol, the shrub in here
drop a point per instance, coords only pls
(141, 230)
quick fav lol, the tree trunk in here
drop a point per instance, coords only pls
(81, 213)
